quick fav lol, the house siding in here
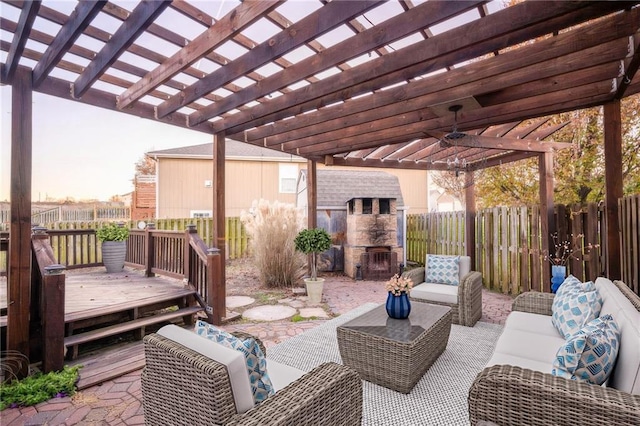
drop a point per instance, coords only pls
(181, 185)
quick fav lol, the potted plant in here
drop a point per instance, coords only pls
(114, 245)
(313, 242)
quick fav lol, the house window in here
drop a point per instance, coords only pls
(200, 213)
(288, 178)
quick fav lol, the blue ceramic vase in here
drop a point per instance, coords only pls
(398, 307)
(558, 273)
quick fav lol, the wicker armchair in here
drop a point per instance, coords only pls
(183, 387)
(468, 309)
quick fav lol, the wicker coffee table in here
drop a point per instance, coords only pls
(395, 353)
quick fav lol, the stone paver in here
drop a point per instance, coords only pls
(119, 401)
(313, 312)
(269, 313)
(239, 301)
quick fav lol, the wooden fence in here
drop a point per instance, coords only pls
(508, 242)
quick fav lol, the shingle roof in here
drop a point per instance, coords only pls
(336, 187)
(232, 149)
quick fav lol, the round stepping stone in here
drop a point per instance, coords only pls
(269, 313)
(237, 301)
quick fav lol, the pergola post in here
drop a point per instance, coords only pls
(470, 217)
(547, 218)
(613, 186)
(219, 240)
(312, 195)
(19, 272)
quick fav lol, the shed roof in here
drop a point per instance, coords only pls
(336, 187)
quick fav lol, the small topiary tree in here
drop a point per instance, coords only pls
(272, 228)
(313, 241)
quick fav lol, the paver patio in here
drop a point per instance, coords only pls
(119, 401)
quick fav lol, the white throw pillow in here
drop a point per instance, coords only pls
(573, 310)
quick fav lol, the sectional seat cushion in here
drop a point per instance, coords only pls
(442, 269)
(524, 348)
(573, 310)
(590, 354)
(443, 293)
(261, 387)
(232, 359)
(532, 323)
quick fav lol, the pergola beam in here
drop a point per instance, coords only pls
(307, 29)
(231, 24)
(499, 30)
(20, 37)
(471, 79)
(66, 37)
(141, 17)
(387, 32)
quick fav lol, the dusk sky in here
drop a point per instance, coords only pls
(85, 152)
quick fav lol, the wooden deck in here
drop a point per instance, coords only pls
(101, 308)
(90, 290)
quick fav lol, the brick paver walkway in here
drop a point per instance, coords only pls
(119, 401)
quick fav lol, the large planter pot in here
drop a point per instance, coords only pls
(314, 289)
(113, 255)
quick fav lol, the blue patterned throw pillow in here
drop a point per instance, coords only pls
(443, 269)
(591, 353)
(571, 284)
(254, 357)
(573, 310)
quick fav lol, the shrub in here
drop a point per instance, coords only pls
(273, 228)
(39, 387)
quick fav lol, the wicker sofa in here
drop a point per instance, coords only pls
(516, 387)
(183, 385)
(465, 299)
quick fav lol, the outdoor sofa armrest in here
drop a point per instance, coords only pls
(416, 275)
(470, 298)
(534, 302)
(330, 394)
(508, 395)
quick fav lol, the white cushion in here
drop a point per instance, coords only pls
(232, 359)
(444, 293)
(282, 375)
(499, 358)
(626, 374)
(534, 346)
(532, 323)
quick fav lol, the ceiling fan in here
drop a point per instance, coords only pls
(448, 140)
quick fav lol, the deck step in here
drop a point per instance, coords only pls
(89, 336)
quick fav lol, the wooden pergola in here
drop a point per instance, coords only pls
(362, 83)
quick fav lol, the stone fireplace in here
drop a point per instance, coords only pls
(372, 238)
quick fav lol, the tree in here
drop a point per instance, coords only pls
(145, 166)
(579, 171)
